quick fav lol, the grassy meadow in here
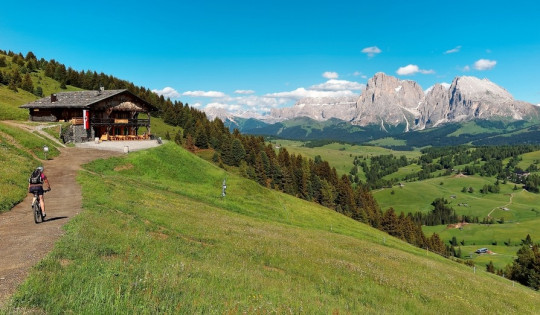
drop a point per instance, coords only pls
(341, 156)
(15, 166)
(521, 217)
(155, 236)
(159, 128)
(17, 162)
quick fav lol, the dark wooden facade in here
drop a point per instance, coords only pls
(111, 112)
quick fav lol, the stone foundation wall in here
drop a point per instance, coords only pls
(77, 133)
(49, 118)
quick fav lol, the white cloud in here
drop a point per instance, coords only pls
(330, 75)
(229, 107)
(412, 69)
(445, 85)
(204, 94)
(466, 68)
(371, 51)
(484, 64)
(300, 93)
(337, 85)
(259, 101)
(167, 92)
(453, 50)
(196, 105)
(244, 92)
(358, 73)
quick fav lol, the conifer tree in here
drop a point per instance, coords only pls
(490, 267)
(238, 152)
(27, 84)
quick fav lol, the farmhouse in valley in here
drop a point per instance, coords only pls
(103, 114)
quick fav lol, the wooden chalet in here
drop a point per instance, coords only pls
(103, 114)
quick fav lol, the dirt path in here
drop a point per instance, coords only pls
(22, 242)
(38, 129)
(506, 205)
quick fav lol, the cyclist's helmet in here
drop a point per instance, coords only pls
(39, 168)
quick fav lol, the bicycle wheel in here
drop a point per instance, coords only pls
(37, 213)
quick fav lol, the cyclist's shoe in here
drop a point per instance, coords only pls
(44, 215)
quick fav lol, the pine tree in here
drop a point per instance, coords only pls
(13, 86)
(490, 267)
(390, 223)
(177, 137)
(16, 77)
(27, 84)
(238, 152)
(526, 267)
(38, 91)
(189, 145)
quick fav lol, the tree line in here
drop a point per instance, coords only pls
(484, 161)
(525, 269)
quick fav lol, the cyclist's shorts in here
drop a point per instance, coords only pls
(38, 189)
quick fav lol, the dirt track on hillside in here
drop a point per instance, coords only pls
(22, 242)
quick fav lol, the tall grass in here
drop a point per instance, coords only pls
(155, 236)
(15, 167)
(32, 142)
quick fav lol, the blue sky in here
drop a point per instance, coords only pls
(249, 55)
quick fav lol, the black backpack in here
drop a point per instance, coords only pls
(35, 178)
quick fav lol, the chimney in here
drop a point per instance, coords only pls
(53, 98)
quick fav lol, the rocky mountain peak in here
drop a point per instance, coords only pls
(317, 108)
(388, 100)
(475, 88)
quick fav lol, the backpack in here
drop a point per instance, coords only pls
(35, 178)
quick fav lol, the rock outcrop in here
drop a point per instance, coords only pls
(388, 100)
(318, 108)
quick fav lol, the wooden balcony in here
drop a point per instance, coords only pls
(125, 122)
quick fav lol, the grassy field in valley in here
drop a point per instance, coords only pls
(518, 208)
(155, 236)
(341, 156)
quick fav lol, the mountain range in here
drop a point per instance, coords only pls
(390, 106)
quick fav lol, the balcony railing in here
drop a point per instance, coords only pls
(120, 122)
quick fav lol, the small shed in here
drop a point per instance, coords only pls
(106, 114)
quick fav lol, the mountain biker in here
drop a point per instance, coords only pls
(35, 184)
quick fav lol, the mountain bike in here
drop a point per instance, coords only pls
(36, 207)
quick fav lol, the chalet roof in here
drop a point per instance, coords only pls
(80, 99)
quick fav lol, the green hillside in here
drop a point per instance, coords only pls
(342, 155)
(156, 236)
(10, 100)
(518, 209)
(20, 153)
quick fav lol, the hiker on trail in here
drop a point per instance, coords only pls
(35, 184)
